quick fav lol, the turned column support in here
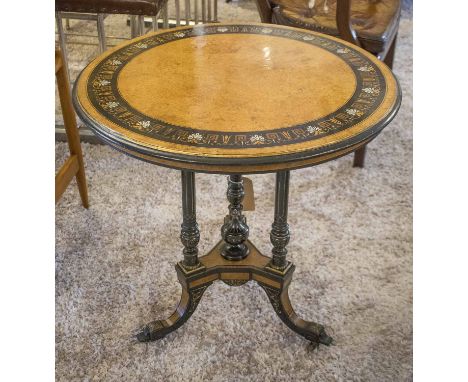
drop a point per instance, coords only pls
(279, 235)
(273, 274)
(189, 235)
(235, 230)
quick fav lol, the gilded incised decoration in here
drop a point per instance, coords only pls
(196, 295)
(274, 297)
(234, 282)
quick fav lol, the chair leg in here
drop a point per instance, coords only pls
(82, 187)
(187, 12)
(391, 53)
(133, 27)
(177, 11)
(141, 25)
(73, 137)
(62, 42)
(166, 16)
(101, 32)
(359, 157)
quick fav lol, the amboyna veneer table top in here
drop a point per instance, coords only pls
(236, 98)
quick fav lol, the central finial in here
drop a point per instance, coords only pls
(235, 230)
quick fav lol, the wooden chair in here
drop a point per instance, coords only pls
(370, 24)
(97, 10)
(73, 166)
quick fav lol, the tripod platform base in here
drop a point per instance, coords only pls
(254, 267)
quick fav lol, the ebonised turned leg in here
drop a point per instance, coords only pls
(235, 230)
(279, 235)
(189, 235)
(279, 297)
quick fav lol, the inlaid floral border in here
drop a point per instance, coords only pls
(104, 95)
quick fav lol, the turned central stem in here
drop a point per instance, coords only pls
(235, 230)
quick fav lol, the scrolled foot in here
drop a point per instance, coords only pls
(151, 332)
(281, 303)
(156, 330)
(324, 338)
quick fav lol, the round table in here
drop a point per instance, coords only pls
(236, 99)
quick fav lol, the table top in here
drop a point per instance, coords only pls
(236, 98)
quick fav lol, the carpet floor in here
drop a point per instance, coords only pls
(351, 242)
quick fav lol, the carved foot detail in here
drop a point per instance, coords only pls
(281, 303)
(151, 332)
(156, 330)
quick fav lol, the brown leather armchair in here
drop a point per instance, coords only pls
(370, 24)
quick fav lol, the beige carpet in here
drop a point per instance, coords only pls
(351, 242)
